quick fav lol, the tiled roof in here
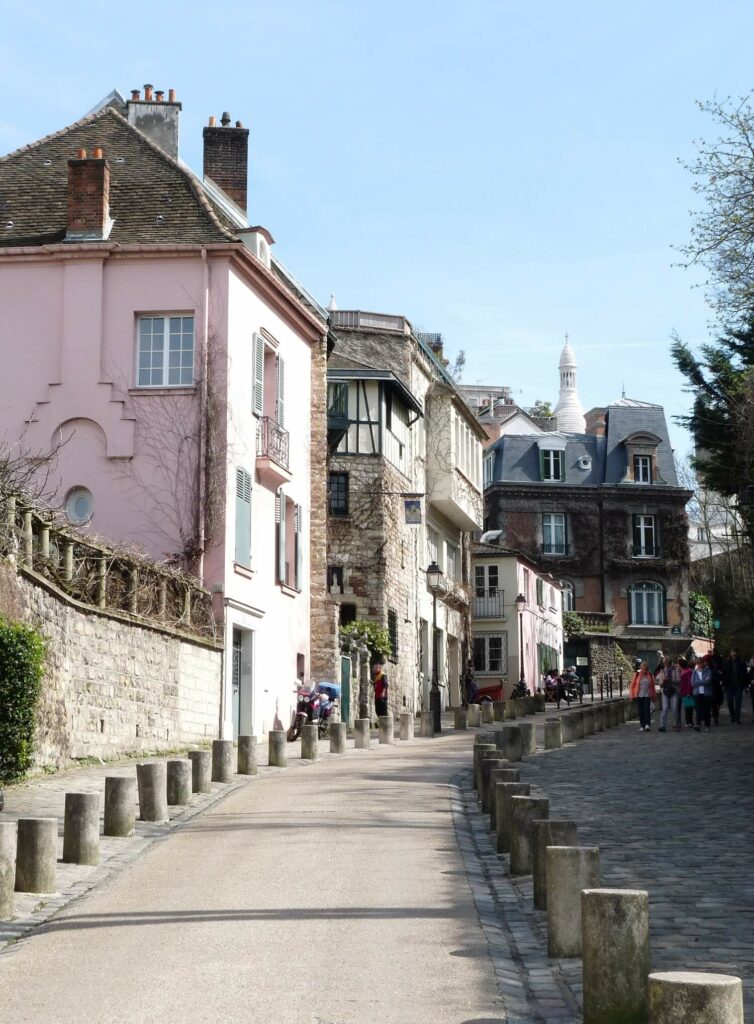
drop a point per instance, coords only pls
(153, 199)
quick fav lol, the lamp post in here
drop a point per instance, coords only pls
(520, 605)
(434, 575)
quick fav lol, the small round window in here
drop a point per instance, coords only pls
(79, 505)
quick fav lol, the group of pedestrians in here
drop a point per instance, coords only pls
(698, 686)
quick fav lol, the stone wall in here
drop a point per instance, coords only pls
(112, 686)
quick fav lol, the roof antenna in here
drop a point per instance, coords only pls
(623, 391)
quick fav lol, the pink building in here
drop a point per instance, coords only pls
(150, 339)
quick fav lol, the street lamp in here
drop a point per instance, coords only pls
(520, 605)
(434, 575)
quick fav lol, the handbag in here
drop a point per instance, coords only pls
(689, 702)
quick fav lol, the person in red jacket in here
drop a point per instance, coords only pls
(643, 692)
(379, 682)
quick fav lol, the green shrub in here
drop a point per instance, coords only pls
(377, 638)
(22, 654)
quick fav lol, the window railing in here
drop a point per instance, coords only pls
(646, 551)
(272, 442)
(488, 605)
(550, 548)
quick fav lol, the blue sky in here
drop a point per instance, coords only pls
(501, 172)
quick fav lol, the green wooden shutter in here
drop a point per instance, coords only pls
(280, 391)
(243, 518)
(257, 388)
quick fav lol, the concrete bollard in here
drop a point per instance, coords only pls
(499, 775)
(568, 723)
(587, 715)
(521, 707)
(615, 948)
(407, 725)
(511, 712)
(120, 805)
(504, 793)
(626, 711)
(36, 854)
(486, 754)
(474, 716)
(528, 738)
(387, 729)
(570, 869)
(179, 782)
(550, 832)
(540, 704)
(425, 724)
(361, 733)
(479, 749)
(487, 765)
(498, 710)
(615, 719)
(488, 714)
(524, 811)
(691, 997)
(222, 760)
(578, 724)
(553, 733)
(310, 742)
(81, 828)
(277, 743)
(201, 771)
(338, 737)
(247, 755)
(511, 743)
(8, 841)
(599, 718)
(616, 952)
(152, 780)
(531, 705)
(459, 718)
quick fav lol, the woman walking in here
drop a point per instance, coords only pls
(701, 684)
(643, 692)
(669, 681)
(687, 693)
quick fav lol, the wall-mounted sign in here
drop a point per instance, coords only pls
(413, 511)
(582, 662)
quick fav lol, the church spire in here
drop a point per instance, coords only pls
(568, 411)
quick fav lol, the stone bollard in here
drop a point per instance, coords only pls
(152, 780)
(615, 948)
(524, 811)
(567, 723)
(531, 705)
(498, 710)
(570, 869)
(425, 724)
(277, 743)
(8, 841)
(247, 755)
(36, 854)
(338, 737)
(551, 832)
(588, 716)
(528, 738)
(626, 711)
(361, 733)
(81, 828)
(488, 714)
(499, 775)
(511, 743)
(521, 707)
(511, 712)
(459, 718)
(504, 793)
(179, 782)
(615, 719)
(553, 733)
(485, 737)
(120, 805)
(407, 725)
(691, 997)
(487, 766)
(201, 771)
(474, 716)
(310, 742)
(599, 718)
(479, 749)
(578, 724)
(387, 729)
(540, 704)
(222, 760)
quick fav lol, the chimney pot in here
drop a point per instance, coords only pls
(213, 121)
(97, 153)
(88, 199)
(81, 154)
(171, 95)
(135, 95)
(225, 119)
(148, 93)
(159, 95)
(238, 124)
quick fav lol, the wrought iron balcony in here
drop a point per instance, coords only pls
(488, 605)
(272, 450)
(646, 551)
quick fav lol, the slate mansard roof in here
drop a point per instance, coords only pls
(590, 460)
(153, 198)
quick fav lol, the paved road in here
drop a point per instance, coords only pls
(334, 895)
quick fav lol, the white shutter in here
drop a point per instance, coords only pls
(280, 392)
(280, 516)
(299, 542)
(257, 385)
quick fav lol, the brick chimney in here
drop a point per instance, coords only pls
(596, 422)
(156, 117)
(88, 197)
(226, 158)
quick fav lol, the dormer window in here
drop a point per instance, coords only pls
(642, 469)
(553, 464)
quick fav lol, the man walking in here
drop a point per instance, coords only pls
(735, 678)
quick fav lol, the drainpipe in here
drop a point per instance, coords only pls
(203, 406)
(602, 553)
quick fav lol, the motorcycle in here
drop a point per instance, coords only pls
(307, 704)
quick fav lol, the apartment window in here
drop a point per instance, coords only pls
(554, 533)
(540, 593)
(491, 652)
(701, 534)
(243, 518)
(642, 469)
(644, 536)
(166, 351)
(347, 614)
(646, 604)
(392, 629)
(527, 585)
(553, 465)
(433, 545)
(289, 541)
(452, 562)
(569, 599)
(337, 494)
(486, 580)
(489, 469)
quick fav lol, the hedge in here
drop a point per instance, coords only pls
(22, 655)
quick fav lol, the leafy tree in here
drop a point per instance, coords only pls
(22, 655)
(376, 637)
(541, 408)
